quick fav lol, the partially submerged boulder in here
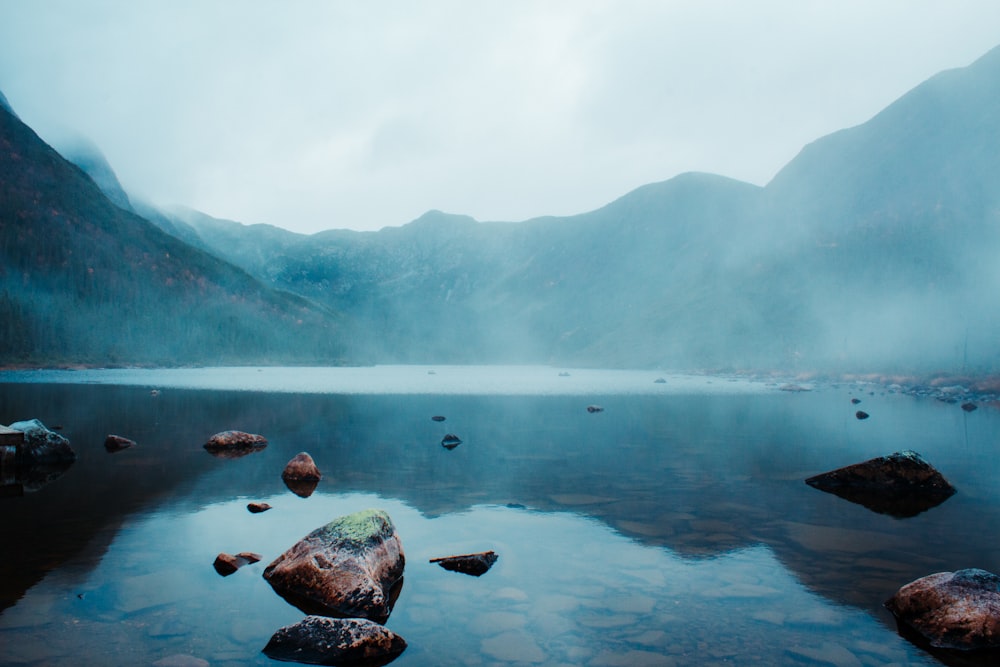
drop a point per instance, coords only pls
(116, 443)
(320, 640)
(233, 444)
(351, 567)
(953, 610)
(42, 446)
(902, 484)
(301, 475)
(475, 564)
(257, 508)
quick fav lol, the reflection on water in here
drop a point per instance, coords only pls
(668, 529)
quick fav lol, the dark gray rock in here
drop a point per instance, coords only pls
(351, 567)
(116, 443)
(953, 610)
(319, 640)
(42, 446)
(902, 484)
(475, 564)
(451, 441)
(594, 408)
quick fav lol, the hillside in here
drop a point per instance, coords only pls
(84, 281)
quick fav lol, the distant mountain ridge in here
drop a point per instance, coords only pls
(84, 281)
(873, 249)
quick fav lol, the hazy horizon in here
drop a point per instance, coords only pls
(323, 115)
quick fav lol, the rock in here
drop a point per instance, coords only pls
(861, 414)
(351, 567)
(301, 468)
(320, 640)
(42, 446)
(969, 407)
(855, 401)
(233, 444)
(451, 441)
(257, 508)
(225, 564)
(474, 564)
(659, 381)
(594, 408)
(902, 484)
(955, 610)
(794, 388)
(301, 475)
(116, 443)
(438, 418)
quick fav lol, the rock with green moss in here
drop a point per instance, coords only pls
(351, 567)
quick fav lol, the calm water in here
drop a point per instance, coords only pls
(672, 528)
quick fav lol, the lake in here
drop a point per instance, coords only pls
(671, 528)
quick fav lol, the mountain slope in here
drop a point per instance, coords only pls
(85, 281)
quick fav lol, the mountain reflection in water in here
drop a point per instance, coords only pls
(670, 527)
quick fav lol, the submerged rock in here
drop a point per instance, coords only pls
(320, 640)
(116, 443)
(969, 407)
(954, 610)
(233, 444)
(301, 475)
(594, 408)
(451, 441)
(855, 401)
(861, 414)
(438, 418)
(902, 484)
(42, 446)
(475, 564)
(351, 567)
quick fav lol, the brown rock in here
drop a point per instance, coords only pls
(902, 484)
(301, 468)
(475, 564)
(257, 508)
(955, 610)
(351, 567)
(320, 640)
(233, 444)
(225, 564)
(116, 443)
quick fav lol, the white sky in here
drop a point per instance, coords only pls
(318, 114)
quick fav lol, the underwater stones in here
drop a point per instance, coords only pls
(351, 567)
(116, 443)
(954, 610)
(257, 508)
(474, 564)
(450, 441)
(969, 407)
(301, 475)
(438, 418)
(42, 446)
(855, 401)
(594, 408)
(233, 444)
(225, 564)
(902, 484)
(861, 414)
(320, 640)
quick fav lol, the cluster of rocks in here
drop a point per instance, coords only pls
(945, 610)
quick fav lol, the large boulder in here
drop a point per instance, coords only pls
(301, 475)
(42, 446)
(351, 567)
(233, 444)
(320, 640)
(953, 610)
(902, 484)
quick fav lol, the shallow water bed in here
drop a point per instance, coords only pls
(671, 528)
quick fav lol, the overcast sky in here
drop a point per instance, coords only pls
(315, 114)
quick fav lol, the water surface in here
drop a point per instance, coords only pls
(672, 528)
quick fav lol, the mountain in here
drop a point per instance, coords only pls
(83, 280)
(88, 157)
(873, 249)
